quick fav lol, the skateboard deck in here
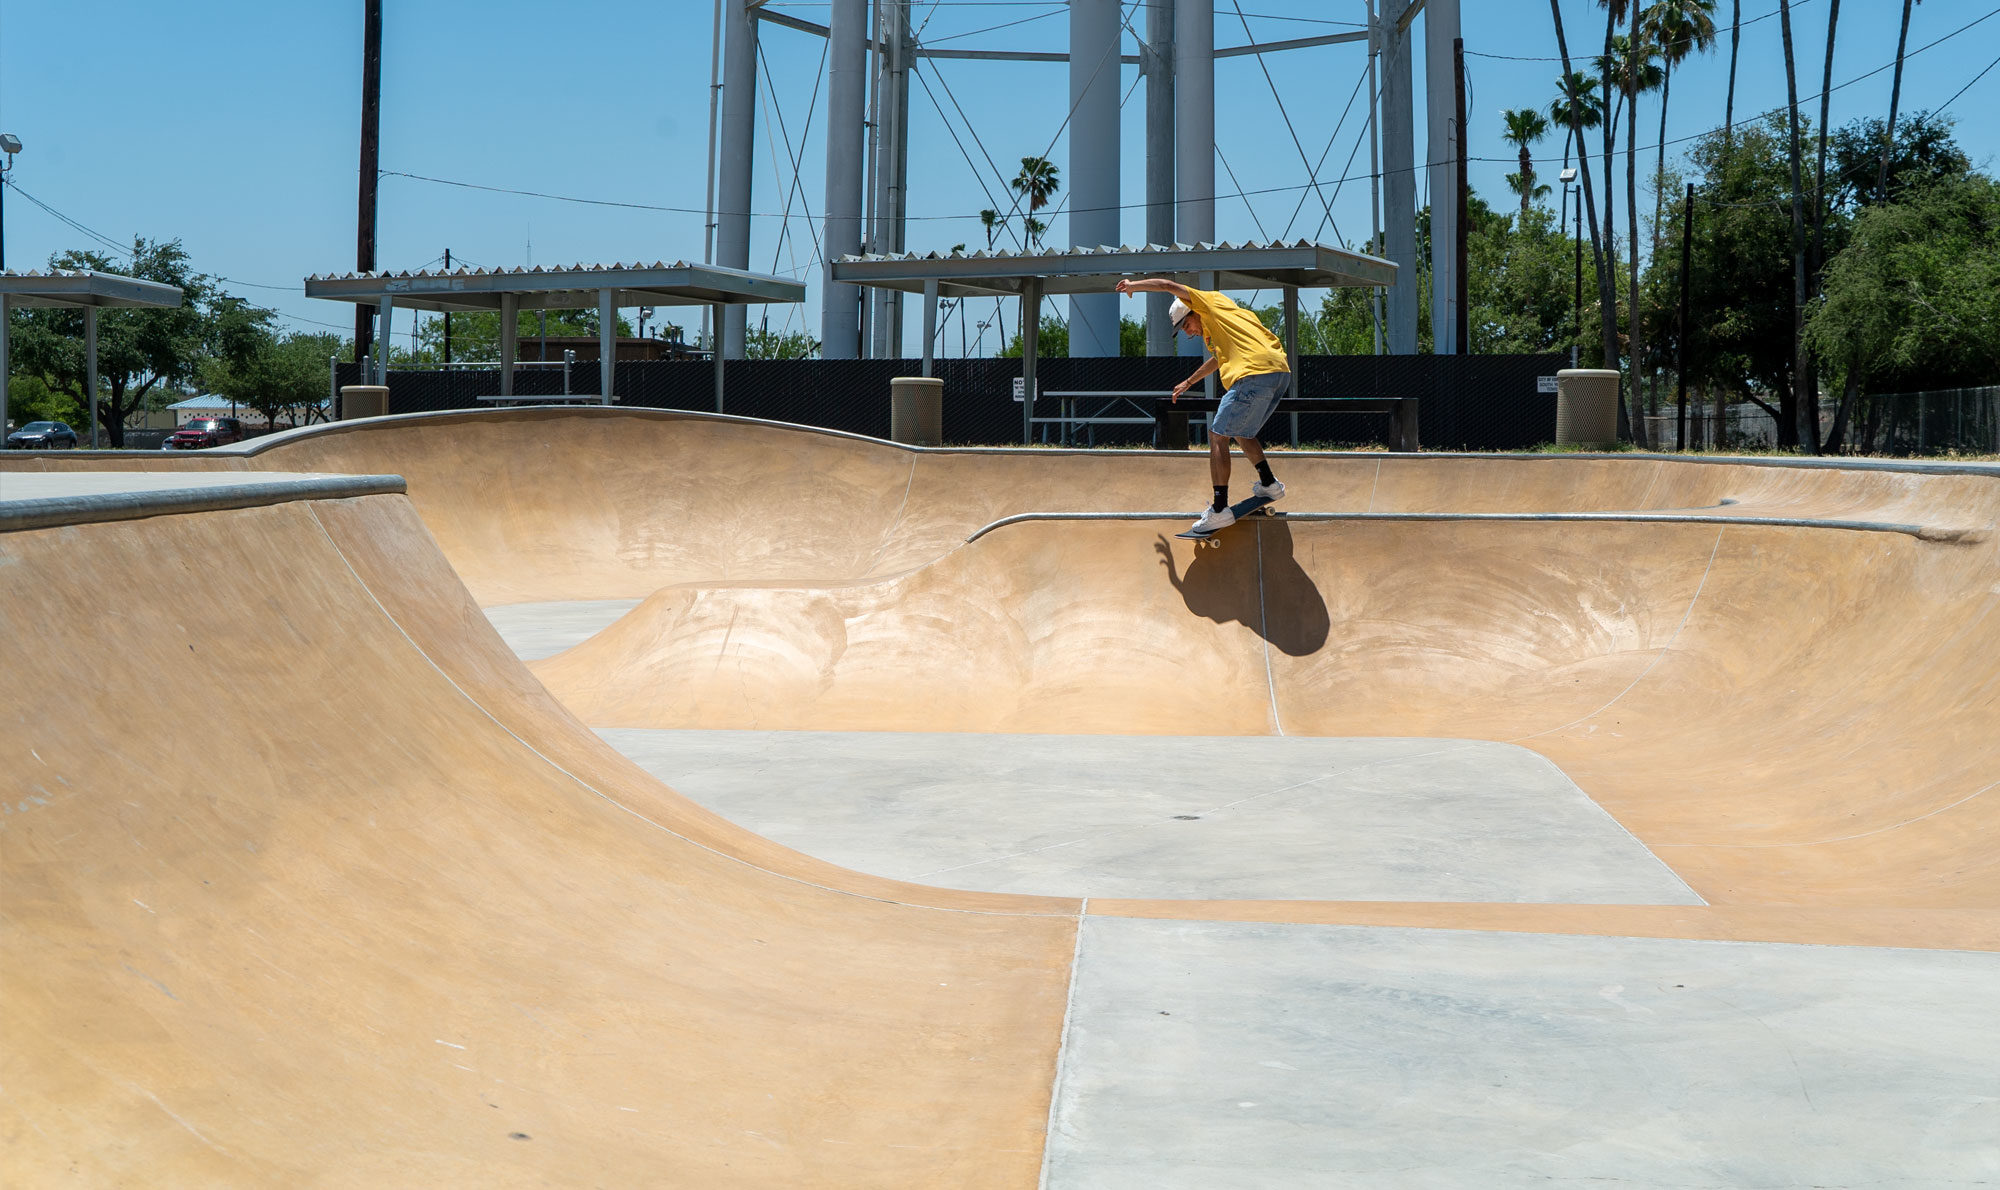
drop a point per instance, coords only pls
(1251, 506)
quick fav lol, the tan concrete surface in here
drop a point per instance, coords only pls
(403, 906)
(307, 883)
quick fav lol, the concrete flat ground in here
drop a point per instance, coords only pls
(1178, 817)
(1204, 1055)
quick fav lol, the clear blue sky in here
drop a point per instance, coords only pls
(233, 125)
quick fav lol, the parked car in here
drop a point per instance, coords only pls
(42, 435)
(205, 431)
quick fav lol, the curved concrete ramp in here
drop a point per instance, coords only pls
(307, 881)
(306, 878)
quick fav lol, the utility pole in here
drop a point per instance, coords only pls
(447, 315)
(371, 136)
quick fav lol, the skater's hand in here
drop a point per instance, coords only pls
(1180, 388)
(1124, 287)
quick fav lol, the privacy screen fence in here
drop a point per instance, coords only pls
(1466, 402)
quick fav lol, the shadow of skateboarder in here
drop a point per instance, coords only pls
(1222, 585)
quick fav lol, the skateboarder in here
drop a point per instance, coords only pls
(1254, 373)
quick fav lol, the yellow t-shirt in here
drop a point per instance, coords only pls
(1243, 346)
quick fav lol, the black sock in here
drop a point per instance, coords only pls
(1264, 472)
(1221, 498)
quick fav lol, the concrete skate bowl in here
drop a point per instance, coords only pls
(408, 919)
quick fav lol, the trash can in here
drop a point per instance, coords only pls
(916, 410)
(363, 400)
(1586, 407)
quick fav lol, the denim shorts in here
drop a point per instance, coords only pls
(1248, 404)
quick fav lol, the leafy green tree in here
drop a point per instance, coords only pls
(269, 373)
(1741, 288)
(760, 343)
(1053, 341)
(1922, 152)
(138, 351)
(29, 398)
(476, 336)
(1913, 301)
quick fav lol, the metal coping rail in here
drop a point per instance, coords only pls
(1958, 535)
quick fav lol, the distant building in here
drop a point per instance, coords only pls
(209, 405)
(551, 347)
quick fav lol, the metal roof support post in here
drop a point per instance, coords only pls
(1292, 348)
(607, 344)
(717, 357)
(930, 321)
(739, 137)
(1205, 281)
(846, 88)
(1399, 182)
(1094, 148)
(90, 366)
(510, 328)
(1157, 56)
(1031, 327)
(1194, 120)
(386, 317)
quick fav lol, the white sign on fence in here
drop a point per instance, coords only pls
(1020, 387)
(1545, 384)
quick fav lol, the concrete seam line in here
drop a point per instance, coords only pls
(1657, 657)
(1062, 1042)
(56, 511)
(1264, 637)
(897, 523)
(1374, 485)
(592, 789)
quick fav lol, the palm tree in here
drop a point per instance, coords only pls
(1631, 64)
(991, 220)
(1038, 182)
(1816, 261)
(1806, 405)
(1680, 29)
(1895, 96)
(1525, 126)
(1575, 89)
(1607, 290)
(1735, 41)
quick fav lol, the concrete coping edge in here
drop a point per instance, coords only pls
(256, 446)
(53, 511)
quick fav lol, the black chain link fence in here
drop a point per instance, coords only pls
(1467, 402)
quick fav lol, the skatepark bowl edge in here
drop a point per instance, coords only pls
(609, 797)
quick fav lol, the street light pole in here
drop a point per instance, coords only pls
(10, 145)
(1576, 309)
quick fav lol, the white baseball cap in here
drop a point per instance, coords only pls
(1175, 312)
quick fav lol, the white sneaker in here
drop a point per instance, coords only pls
(1212, 520)
(1273, 491)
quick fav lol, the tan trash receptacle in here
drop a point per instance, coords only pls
(363, 400)
(916, 410)
(1586, 407)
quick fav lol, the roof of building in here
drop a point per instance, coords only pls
(1302, 264)
(576, 287)
(85, 287)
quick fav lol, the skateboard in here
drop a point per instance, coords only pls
(1252, 506)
